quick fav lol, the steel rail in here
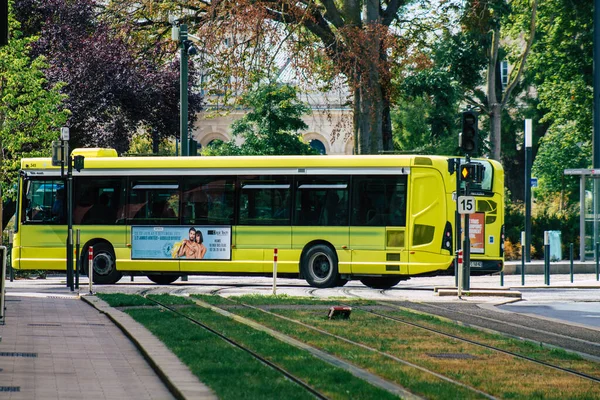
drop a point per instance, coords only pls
(257, 356)
(387, 355)
(530, 359)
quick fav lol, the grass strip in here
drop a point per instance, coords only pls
(416, 346)
(414, 380)
(208, 357)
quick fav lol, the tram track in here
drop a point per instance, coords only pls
(480, 344)
(369, 348)
(240, 346)
(583, 341)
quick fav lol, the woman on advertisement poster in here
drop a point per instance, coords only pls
(200, 247)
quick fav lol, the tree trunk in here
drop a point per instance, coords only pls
(496, 130)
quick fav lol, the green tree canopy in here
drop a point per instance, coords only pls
(270, 127)
(31, 110)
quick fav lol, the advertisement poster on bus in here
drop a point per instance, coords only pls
(477, 232)
(181, 242)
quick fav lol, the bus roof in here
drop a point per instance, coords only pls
(236, 162)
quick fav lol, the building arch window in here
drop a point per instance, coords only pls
(317, 145)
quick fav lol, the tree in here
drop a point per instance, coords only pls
(351, 38)
(31, 111)
(112, 89)
(562, 70)
(489, 16)
(270, 127)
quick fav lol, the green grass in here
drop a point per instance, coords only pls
(124, 300)
(474, 372)
(233, 373)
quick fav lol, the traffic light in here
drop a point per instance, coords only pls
(469, 135)
(190, 48)
(472, 172)
(78, 163)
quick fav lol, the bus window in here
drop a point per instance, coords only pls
(208, 200)
(98, 201)
(45, 202)
(379, 200)
(264, 200)
(321, 201)
(153, 202)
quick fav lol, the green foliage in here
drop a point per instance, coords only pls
(561, 69)
(270, 127)
(562, 147)
(31, 111)
(141, 145)
(545, 219)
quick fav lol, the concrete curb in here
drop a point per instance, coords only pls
(176, 375)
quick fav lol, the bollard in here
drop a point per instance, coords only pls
(571, 260)
(459, 258)
(523, 258)
(596, 252)
(77, 261)
(91, 267)
(546, 258)
(4, 252)
(502, 278)
(9, 255)
(274, 272)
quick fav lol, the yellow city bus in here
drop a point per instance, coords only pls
(378, 219)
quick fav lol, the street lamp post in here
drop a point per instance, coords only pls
(528, 155)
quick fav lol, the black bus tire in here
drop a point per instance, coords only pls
(105, 265)
(384, 282)
(320, 267)
(163, 279)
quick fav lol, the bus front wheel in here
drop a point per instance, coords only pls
(384, 282)
(320, 267)
(104, 264)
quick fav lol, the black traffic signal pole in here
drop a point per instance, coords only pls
(457, 219)
(467, 250)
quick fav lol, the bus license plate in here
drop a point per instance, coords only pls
(476, 264)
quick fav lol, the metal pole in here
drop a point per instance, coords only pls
(274, 272)
(523, 258)
(596, 64)
(597, 257)
(91, 267)
(459, 260)
(582, 218)
(10, 244)
(70, 223)
(457, 220)
(571, 260)
(528, 156)
(183, 87)
(467, 248)
(77, 263)
(3, 284)
(546, 258)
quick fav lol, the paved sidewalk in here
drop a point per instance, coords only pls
(56, 346)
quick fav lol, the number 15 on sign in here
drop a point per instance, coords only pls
(466, 204)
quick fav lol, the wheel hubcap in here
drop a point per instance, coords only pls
(320, 266)
(103, 264)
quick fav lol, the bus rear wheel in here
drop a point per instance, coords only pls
(163, 279)
(320, 267)
(104, 265)
(384, 282)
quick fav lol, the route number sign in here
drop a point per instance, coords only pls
(466, 204)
